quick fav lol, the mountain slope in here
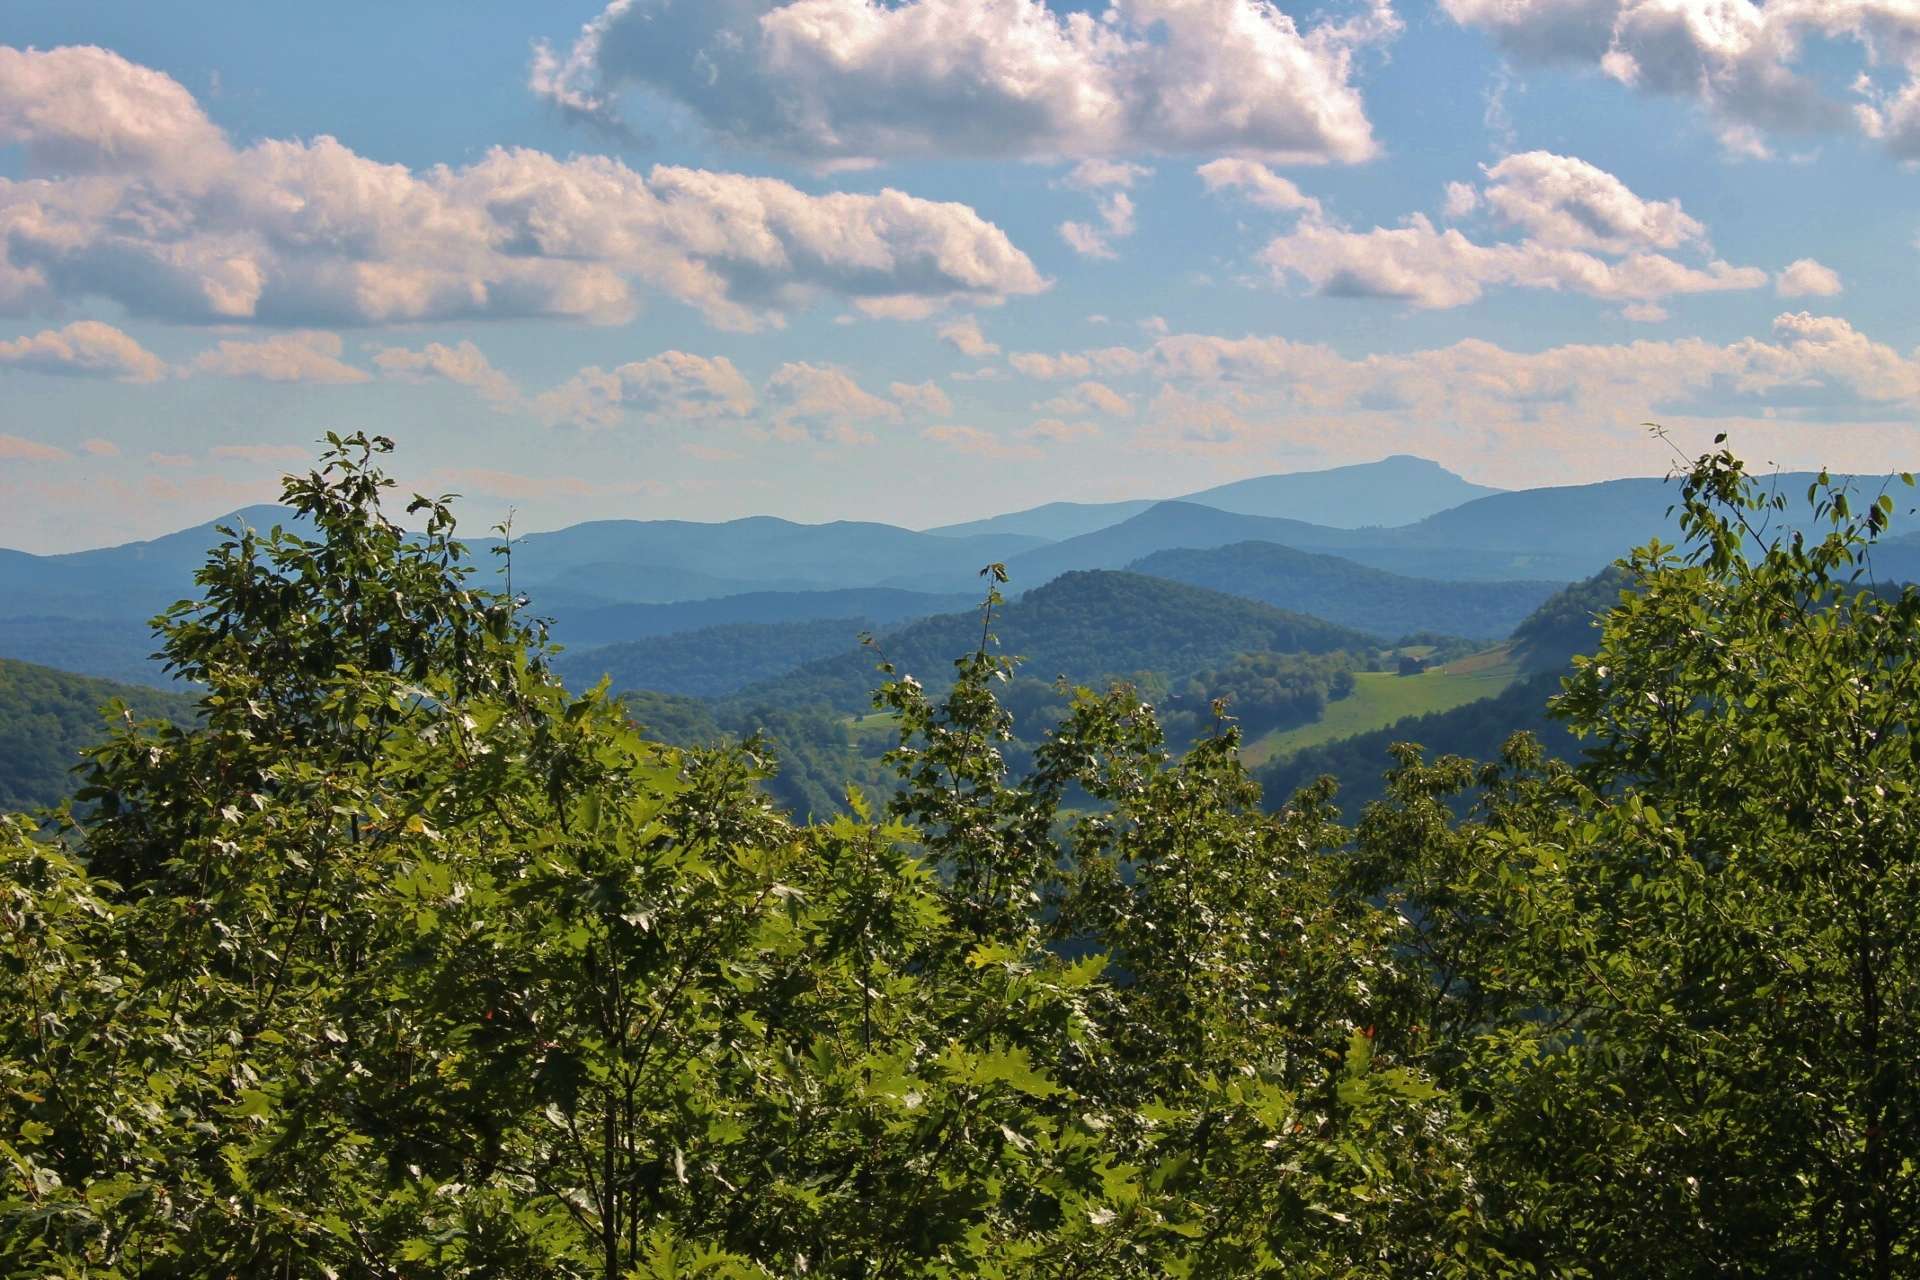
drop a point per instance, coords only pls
(626, 558)
(1393, 491)
(1083, 626)
(1353, 595)
(713, 661)
(1052, 521)
(883, 606)
(47, 717)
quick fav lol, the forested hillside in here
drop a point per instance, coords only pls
(1081, 626)
(48, 717)
(406, 960)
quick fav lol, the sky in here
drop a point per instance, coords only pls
(922, 261)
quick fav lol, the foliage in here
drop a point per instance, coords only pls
(404, 960)
(1681, 978)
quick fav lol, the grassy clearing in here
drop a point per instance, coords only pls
(1380, 698)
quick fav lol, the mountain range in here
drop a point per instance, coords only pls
(1390, 547)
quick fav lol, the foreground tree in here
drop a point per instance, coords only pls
(407, 961)
(1680, 981)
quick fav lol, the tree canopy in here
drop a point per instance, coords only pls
(403, 959)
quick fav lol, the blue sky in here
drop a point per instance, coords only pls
(926, 260)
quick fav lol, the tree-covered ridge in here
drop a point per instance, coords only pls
(48, 717)
(1084, 626)
(1352, 595)
(405, 960)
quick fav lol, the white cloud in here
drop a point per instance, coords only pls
(1430, 268)
(85, 348)
(463, 364)
(1744, 62)
(1807, 278)
(86, 110)
(1261, 185)
(1813, 391)
(1569, 203)
(96, 447)
(670, 386)
(1644, 312)
(964, 336)
(1462, 199)
(824, 402)
(285, 357)
(156, 210)
(852, 81)
(1581, 229)
(1116, 217)
(980, 443)
(1092, 175)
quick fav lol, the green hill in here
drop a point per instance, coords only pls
(1081, 625)
(1353, 595)
(47, 717)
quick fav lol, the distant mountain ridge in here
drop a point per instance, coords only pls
(1393, 491)
(1350, 594)
(87, 610)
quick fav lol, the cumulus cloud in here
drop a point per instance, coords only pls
(85, 348)
(854, 81)
(95, 447)
(463, 364)
(285, 357)
(1581, 230)
(1569, 203)
(1430, 268)
(1807, 278)
(980, 443)
(156, 210)
(964, 336)
(1744, 62)
(1260, 185)
(813, 401)
(670, 386)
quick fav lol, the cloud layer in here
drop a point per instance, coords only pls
(855, 81)
(138, 198)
